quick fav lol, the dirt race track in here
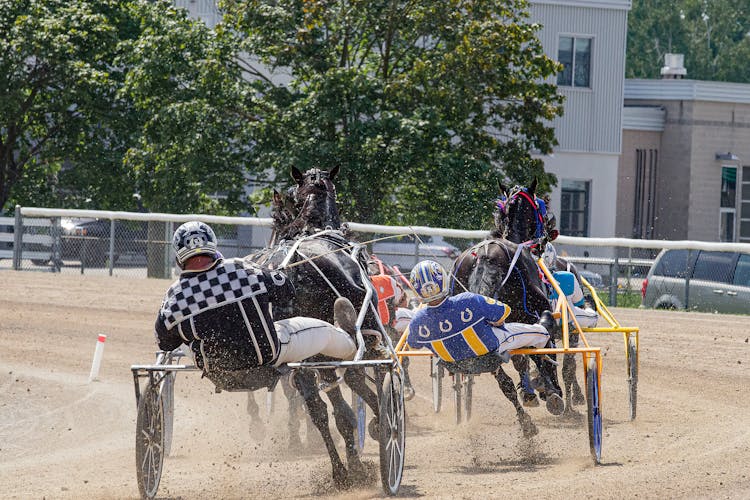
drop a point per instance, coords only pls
(62, 437)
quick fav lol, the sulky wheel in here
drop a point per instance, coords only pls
(594, 411)
(167, 397)
(437, 372)
(458, 395)
(149, 440)
(360, 411)
(468, 393)
(392, 432)
(633, 375)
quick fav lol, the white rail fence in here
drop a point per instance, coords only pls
(137, 244)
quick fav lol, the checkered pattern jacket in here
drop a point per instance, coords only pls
(224, 315)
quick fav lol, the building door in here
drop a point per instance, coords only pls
(728, 207)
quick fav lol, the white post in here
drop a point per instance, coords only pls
(97, 357)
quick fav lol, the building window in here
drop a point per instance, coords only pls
(574, 53)
(574, 208)
(728, 207)
(644, 213)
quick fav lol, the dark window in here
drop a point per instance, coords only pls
(574, 208)
(645, 193)
(742, 272)
(728, 187)
(714, 266)
(673, 264)
(575, 56)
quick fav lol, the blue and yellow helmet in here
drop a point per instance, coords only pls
(429, 280)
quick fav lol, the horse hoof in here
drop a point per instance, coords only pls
(528, 427)
(578, 398)
(409, 393)
(555, 404)
(374, 429)
(529, 399)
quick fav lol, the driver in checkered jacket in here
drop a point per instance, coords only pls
(221, 308)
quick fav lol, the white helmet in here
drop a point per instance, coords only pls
(429, 280)
(194, 238)
(550, 256)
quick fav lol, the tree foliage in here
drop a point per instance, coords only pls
(86, 84)
(423, 104)
(714, 36)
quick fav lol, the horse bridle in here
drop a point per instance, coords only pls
(537, 204)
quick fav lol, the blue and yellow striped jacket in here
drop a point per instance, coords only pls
(458, 328)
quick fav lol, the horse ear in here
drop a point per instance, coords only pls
(334, 172)
(532, 187)
(297, 176)
(502, 188)
(277, 198)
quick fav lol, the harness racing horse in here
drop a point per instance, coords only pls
(522, 217)
(321, 267)
(503, 270)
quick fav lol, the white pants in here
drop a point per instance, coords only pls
(587, 317)
(302, 338)
(517, 335)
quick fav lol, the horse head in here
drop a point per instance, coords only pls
(491, 261)
(316, 198)
(285, 217)
(525, 214)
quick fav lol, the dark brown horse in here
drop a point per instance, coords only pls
(503, 270)
(323, 265)
(520, 217)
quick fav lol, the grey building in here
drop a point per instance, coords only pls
(588, 37)
(685, 166)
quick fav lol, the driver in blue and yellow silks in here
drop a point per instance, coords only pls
(469, 325)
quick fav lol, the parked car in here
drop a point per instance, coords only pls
(87, 240)
(699, 280)
(594, 279)
(404, 251)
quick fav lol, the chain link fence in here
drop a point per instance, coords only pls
(139, 245)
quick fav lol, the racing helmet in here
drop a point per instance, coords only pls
(194, 238)
(429, 280)
(550, 256)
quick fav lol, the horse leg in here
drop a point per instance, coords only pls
(316, 407)
(521, 364)
(408, 388)
(355, 378)
(345, 419)
(509, 389)
(573, 391)
(257, 428)
(295, 413)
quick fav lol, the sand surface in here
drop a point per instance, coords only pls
(63, 437)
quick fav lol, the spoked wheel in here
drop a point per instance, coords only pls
(437, 372)
(468, 393)
(633, 375)
(458, 396)
(149, 440)
(360, 411)
(392, 432)
(167, 397)
(594, 411)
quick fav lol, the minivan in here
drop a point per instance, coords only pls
(699, 280)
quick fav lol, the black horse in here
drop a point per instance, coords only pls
(503, 270)
(317, 258)
(523, 217)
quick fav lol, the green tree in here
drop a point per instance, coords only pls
(714, 36)
(423, 104)
(87, 84)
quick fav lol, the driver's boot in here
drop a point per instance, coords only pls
(345, 317)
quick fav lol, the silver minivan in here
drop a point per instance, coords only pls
(699, 280)
(406, 251)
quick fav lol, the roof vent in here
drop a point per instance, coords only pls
(674, 67)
